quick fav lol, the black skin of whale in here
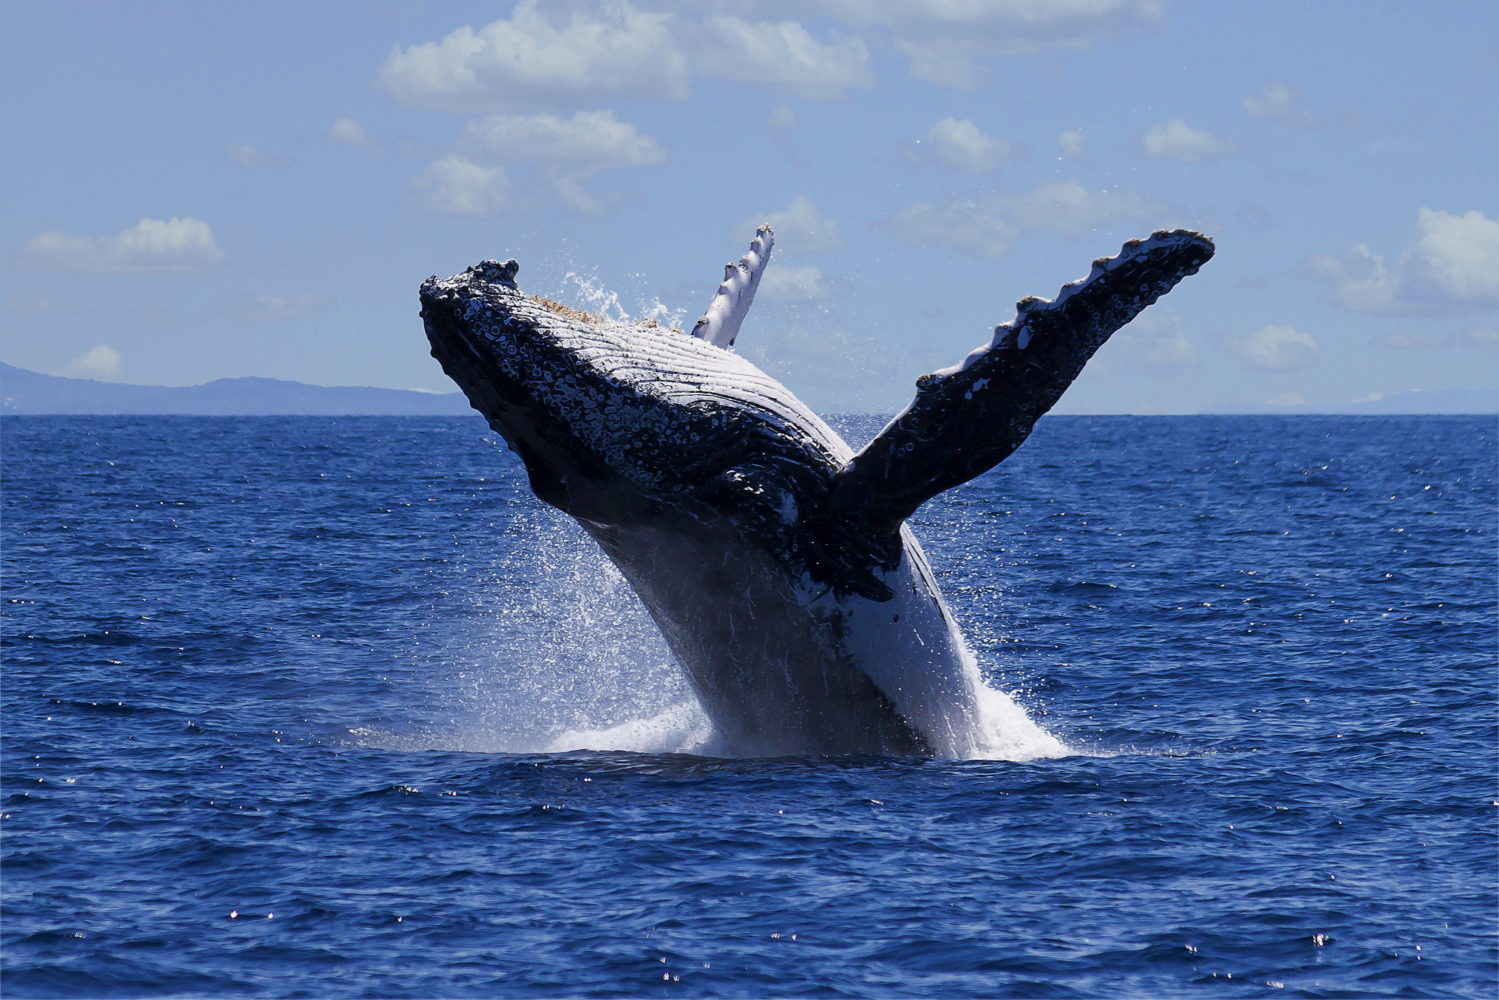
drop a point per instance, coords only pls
(774, 560)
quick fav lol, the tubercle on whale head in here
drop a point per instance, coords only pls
(495, 342)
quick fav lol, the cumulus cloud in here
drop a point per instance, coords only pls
(781, 118)
(959, 144)
(1459, 254)
(250, 156)
(1276, 348)
(177, 244)
(586, 142)
(781, 54)
(554, 55)
(1155, 340)
(792, 284)
(1176, 140)
(350, 133)
(1452, 262)
(455, 186)
(986, 227)
(799, 228)
(1273, 101)
(1071, 142)
(944, 41)
(567, 151)
(100, 362)
(534, 60)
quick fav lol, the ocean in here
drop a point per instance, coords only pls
(332, 707)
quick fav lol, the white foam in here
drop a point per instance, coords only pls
(1009, 733)
(683, 728)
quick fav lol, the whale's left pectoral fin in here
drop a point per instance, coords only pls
(720, 324)
(965, 420)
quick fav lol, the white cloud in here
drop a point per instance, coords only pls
(1276, 348)
(98, 362)
(1288, 399)
(455, 186)
(536, 60)
(944, 39)
(1273, 101)
(986, 227)
(781, 54)
(575, 196)
(1484, 336)
(782, 118)
(1155, 339)
(947, 62)
(1176, 140)
(588, 141)
(177, 244)
(253, 156)
(1452, 262)
(799, 228)
(792, 284)
(1458, 254)
(959, 144)
(350, 133)
(1071, 142)
(1360, 280)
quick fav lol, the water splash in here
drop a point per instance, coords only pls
(558, 655)
(589, 294)
(1009, 732)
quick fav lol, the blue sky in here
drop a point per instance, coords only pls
(208, 190)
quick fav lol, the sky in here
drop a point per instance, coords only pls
(198, 191)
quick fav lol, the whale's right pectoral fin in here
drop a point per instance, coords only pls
(967, 419)
(720, 324)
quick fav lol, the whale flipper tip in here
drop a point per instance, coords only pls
(966, 419)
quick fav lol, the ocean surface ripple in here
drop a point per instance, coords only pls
(297, 707)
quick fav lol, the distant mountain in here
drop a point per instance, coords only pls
(23, 392)
(1419, 401)
(28, 392)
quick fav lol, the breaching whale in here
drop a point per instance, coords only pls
(776, 562)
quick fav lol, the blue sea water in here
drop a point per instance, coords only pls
(279, 695)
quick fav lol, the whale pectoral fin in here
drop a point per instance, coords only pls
(720, 324)
(967, 419)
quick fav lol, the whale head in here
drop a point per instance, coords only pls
(619, 423)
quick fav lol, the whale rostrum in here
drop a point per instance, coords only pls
(776, 562)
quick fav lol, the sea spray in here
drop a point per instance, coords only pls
(560, 655)
(557, 642)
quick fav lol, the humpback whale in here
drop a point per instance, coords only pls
(775, 561)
